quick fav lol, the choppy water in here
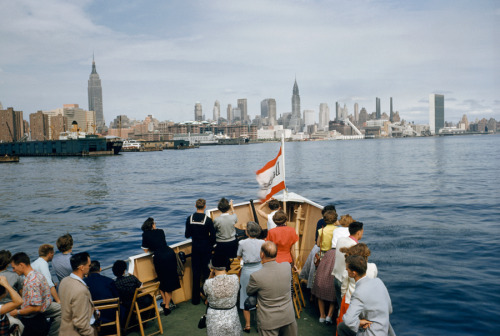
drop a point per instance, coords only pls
(431, 209)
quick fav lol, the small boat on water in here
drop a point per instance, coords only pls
(9, 158)
(131, 146)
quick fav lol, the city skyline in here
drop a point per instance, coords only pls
(167, 56)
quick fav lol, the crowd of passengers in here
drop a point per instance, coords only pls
(348, 293)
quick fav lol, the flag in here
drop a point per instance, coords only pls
(271, 177)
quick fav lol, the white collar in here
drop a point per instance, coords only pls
(76, 277)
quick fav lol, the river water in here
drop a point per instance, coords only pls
(431, 209)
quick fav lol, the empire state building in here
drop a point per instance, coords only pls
(95, 98)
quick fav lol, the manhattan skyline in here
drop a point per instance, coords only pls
(163, 58)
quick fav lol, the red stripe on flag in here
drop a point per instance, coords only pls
(274, 190)
(269, 164)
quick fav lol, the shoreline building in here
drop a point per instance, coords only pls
(71, 113)
(11, 125)
(95, 98)
(39, 126)
(436, 113)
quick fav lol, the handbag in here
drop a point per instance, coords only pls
(250, 302)
(202, 324)
(317, 256)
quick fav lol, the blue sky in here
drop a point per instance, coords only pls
(161, 57)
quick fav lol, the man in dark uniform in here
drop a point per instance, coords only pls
(201, 229)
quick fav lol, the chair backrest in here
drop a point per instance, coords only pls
(151, 290)
(110, 304)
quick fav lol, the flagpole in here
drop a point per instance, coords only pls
(283, 153)
(285, 192)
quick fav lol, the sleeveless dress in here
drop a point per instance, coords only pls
(164, 259)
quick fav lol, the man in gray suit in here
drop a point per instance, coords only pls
(76, 301)
(272, 284)
(368, 313)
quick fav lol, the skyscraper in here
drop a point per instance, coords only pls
(308, 117)
(436, 112)
(391, 116)
(216, 111)
(356, 112)
(324, 116)
(229, 114)
(268, 110)
(198, 114)
(295, 121)
(95, 97)
(377, 108)
(242, 105)
(338, 114)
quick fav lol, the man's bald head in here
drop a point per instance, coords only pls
(269, 250)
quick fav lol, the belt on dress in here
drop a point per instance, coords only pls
(221, 308)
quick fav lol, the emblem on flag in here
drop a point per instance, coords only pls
(271, 177)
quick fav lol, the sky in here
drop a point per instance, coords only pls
(161, 57)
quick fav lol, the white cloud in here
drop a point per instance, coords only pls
(162, 57)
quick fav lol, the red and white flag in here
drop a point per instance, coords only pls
(271, 177)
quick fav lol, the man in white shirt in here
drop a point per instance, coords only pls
(356, 233)
(41, 265)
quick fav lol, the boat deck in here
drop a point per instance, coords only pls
(184, 321)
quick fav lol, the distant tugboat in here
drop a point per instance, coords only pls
(7, 158)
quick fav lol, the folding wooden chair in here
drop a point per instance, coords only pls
(152, 290)
(110, 304)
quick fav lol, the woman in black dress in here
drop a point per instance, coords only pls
(164, 259)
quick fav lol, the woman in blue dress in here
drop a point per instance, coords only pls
(249, 252)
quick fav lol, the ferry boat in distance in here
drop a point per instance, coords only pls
(131, 146)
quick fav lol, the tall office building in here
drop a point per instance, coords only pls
(216, 111)
(356, 112)
(377, 108)
(308, 117)
(39, 126)
(391, 115)
(338, 115)
(11, 125)
(229, 114)
(95, 98)
(237, 114)
(324, 116)
(242, 105)
(268, 110)
(198, 114)
(436, 112)
(295, 120)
